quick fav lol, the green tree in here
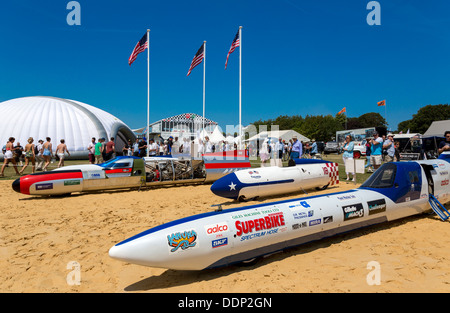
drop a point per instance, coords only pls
(426, 115)
(322, 128)
(404, 126)
(342, 119)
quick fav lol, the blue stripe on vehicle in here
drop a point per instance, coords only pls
(259, 252)
(226, 211)
(221, 187)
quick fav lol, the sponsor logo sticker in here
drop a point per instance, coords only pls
(353, 211)
(299, 225)
(315, 222)
(183, 240)
(71, 182)
(376, 206)
(219, 242)
(254, 174)
(303, 214)
(259, 227)
(267, 222)
(346, 197)
(216, 229)
(45, 186)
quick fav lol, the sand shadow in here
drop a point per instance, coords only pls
(175, 278)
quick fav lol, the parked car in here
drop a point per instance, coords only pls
(359, 150)
(332, 147)
(320, 146)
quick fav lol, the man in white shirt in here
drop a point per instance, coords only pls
(200, 148)
(388, 144)
(136, 147)
(152, 148)
(186, 146)
(175, 147)
(279, 146)
(208, 145)
(91, 149)
(39, 157)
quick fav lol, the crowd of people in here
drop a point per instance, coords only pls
(285, 149)
(103, 151)
(174, 146)
(379, 149)
(170, 146)
(39, 155)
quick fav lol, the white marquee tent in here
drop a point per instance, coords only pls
(216, 135)
(75, 122)
(283, 134)
(437, 128)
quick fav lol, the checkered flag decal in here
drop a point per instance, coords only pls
(333, 173)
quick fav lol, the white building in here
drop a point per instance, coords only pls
(186, 125)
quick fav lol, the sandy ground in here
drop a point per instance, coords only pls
(41, 237)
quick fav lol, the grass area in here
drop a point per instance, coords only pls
(360, 178)
(11, 174)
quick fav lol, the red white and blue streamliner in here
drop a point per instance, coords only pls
(131, 172)
(269, 181)
(225, 237)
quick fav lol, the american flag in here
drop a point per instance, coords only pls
(234, 44)
(140, 47)
(198, 58)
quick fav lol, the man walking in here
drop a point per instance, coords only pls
(296, 151)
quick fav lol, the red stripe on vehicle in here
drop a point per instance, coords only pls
(119, 170)
(227, 165)
(28, 180)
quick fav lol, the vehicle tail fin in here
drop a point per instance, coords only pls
(438, 208)
(445, 156)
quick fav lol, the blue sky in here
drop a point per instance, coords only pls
(299, 57)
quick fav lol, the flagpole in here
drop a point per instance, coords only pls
(204, 75)
(148, 89)
(345, 119)
(240, 87)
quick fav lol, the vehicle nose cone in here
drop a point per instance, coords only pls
(227, 186)
(16, 185)
(116, 252)
(136, 252)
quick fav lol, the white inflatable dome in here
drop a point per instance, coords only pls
(75, 122)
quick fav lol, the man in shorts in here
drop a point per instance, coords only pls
(9, 157)
(99, 151)
(39, 158)
(91, 149)
(376, 151)
(110, 149)
(60, 152)
(388, 144)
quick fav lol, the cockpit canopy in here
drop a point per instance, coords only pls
(120, 161)
(399, 181)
